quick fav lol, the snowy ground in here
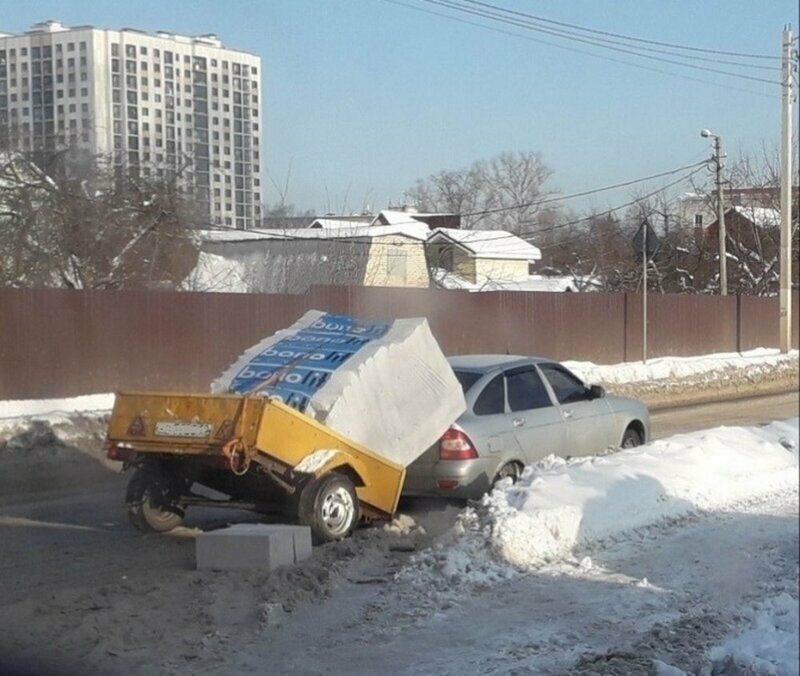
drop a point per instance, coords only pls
(680, 557)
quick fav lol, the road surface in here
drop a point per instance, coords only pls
(73, 572)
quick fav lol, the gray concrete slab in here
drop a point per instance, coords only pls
(248, 546)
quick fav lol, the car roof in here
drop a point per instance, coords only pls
(488, 362)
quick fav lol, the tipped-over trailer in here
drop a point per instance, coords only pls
(255, 453)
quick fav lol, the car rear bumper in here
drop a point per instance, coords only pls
(468, 479)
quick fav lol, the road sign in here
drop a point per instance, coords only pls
(645, 237)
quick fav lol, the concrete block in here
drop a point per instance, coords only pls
(302, 540)
(248, 546)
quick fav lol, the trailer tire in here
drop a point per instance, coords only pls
(329, 506)
(153, 502)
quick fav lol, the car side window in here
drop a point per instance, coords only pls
(526, 391)
(493, 398)
(567, 387)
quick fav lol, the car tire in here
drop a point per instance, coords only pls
(153, 502)
(329, 506)
(631, 438)
(512, 470)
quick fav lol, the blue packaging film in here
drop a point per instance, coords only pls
(295, 367)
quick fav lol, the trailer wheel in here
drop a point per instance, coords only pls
(329, 506)
(153, 502)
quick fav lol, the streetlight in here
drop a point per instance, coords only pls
(723, 263)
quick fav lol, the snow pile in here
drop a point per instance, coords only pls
(675, 368)
(384, 384)
(770, 644)
(16, 415)
(217, 273)
(558, 505)
(40, 408)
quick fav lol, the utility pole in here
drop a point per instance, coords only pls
(644, 295)
(723, 258)
(786, 193)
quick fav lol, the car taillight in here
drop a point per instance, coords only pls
(120, 453)
(455, 445)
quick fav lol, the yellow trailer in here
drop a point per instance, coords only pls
(255, 452)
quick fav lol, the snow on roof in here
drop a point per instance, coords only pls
(392, 217)
(760, 216)
(418, 231)
(217, 273)
(489, 243)
(337, 224)
(450, 280)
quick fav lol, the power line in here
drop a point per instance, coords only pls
(453, 5)
(584, 193)
(529, 38)
(524, 235)
(670, 52)
(625, 37)
(546, 200)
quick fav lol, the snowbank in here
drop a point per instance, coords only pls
(663, 368)
(44, 409)
(770, 644)
(558, 505)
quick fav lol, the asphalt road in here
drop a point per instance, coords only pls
(66, 538)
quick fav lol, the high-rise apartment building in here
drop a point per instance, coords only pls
(157, 104)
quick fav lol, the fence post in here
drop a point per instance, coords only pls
(625, 327)
(739, 323)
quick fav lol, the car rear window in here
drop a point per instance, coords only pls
(467, 379)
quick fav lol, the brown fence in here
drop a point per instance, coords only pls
(62, 343)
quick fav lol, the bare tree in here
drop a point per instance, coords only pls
(503, 193)
(112, 229)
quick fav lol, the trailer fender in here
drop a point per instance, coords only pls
(323, 461)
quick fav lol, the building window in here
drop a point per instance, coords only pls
(114, 49)
(698, 220)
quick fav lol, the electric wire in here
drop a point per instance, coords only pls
(453, 5)
(604, 57)
(625, 37)
(525, 235)
(655, 50)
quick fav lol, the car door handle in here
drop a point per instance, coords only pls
(518, 422)
(568, 414)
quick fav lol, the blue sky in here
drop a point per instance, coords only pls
(363, 96)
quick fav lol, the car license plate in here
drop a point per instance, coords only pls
(180, 428)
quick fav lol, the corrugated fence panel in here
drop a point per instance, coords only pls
(56, 343)
(759, 321)
(683, 325)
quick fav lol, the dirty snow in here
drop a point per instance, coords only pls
(41, 408)
(559, 505)
(662, 368)
(770, 643)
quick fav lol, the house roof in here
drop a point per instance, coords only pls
(394, 217)
(759, 216)
(495, 244)
(337, 224)
(450, 280)
(417, 231)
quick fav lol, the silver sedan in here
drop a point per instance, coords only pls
(519, 410)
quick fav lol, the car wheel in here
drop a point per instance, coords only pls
(631, 438)
(153, 502)
(329, 506)
(511, 470)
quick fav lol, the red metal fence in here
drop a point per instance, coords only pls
(57, 343)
